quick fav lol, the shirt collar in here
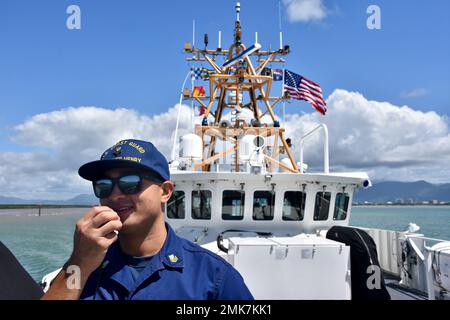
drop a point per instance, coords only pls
(170, 255)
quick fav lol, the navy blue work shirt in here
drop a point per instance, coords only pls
(181, 270)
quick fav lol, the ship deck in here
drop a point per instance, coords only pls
(398, 292)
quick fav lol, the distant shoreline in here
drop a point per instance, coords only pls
(401, 206)
(44, 206)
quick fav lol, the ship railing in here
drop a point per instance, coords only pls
(418, 261)
(326, 160)
(388, 248)
(430, 267)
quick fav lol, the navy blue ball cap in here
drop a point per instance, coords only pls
(129, 154)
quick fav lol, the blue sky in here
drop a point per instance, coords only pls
(129, 53)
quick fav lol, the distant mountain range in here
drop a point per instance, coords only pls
(82, 199)
(381, 192)
(403, 192)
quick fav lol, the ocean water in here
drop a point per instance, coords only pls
(43, 244)
(434, 221)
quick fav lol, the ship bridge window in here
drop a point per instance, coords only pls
(233, 204)
(341, 206)
(263, 202)
(176, 205)
(201, 204)
(294, 205)
(322, 206)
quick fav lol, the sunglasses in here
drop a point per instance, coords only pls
(128, 184)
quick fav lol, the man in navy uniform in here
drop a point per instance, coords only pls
(123, 249)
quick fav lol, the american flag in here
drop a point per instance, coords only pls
(300, 88)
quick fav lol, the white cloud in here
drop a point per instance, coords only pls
(67, 138)
(419, 92)
(394, 143)
(389, 142)
(305, 10)
(80, 134)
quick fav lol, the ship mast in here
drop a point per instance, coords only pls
(235, 79)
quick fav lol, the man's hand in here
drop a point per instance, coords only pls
(94, 234)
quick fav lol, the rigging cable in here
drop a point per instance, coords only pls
(282, 84)
(172, 157)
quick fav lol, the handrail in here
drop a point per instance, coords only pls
(326, 162)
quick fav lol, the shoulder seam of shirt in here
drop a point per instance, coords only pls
(193, 247)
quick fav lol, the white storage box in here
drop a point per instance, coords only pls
(302, 267)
